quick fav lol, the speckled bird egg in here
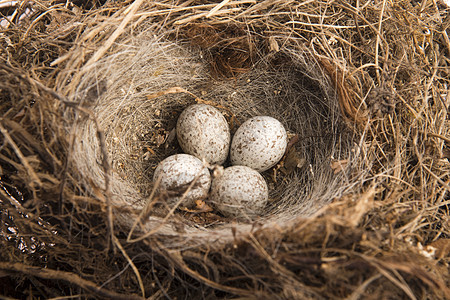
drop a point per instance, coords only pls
(239, 192)
(177, 173)
(202, 131)
(259, 143)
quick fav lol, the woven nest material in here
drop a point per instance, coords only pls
(145, 84)
(358, 206)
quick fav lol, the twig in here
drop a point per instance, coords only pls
(100, 136)
(178, 260)
(130, 13)
(277, 267)
(170, 213)
(377, 44)
(439, 136)
(136, 271)
(150, 202)
(216, 8)
(445, 185)
(11, 199)
(357, 294)
(65, 276)
(30, 171)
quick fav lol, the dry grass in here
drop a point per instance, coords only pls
(89, 98)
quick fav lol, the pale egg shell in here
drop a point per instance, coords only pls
(259, 143)
(177, 173)
(239, 192)
(203, 131)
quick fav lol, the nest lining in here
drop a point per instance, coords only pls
(138, 91)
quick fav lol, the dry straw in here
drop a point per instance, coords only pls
(358, 206)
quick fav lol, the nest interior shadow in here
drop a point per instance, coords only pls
(138, 91)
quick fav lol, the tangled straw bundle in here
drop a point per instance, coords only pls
(363, 187)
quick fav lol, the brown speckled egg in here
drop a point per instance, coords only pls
(177, 173)
(202, 131)
(239, 192)
(259, 143)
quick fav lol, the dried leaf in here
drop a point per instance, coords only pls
(273, 45)
(202, 206)
(293, 161)
(442, 247)
(339, 165)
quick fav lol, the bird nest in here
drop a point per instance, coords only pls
(90, 108)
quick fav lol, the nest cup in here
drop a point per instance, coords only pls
(136, 94)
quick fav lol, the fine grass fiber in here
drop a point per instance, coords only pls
(90, 94)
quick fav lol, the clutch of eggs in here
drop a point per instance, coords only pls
(259, 143)
(203, 131)
(177, 173)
